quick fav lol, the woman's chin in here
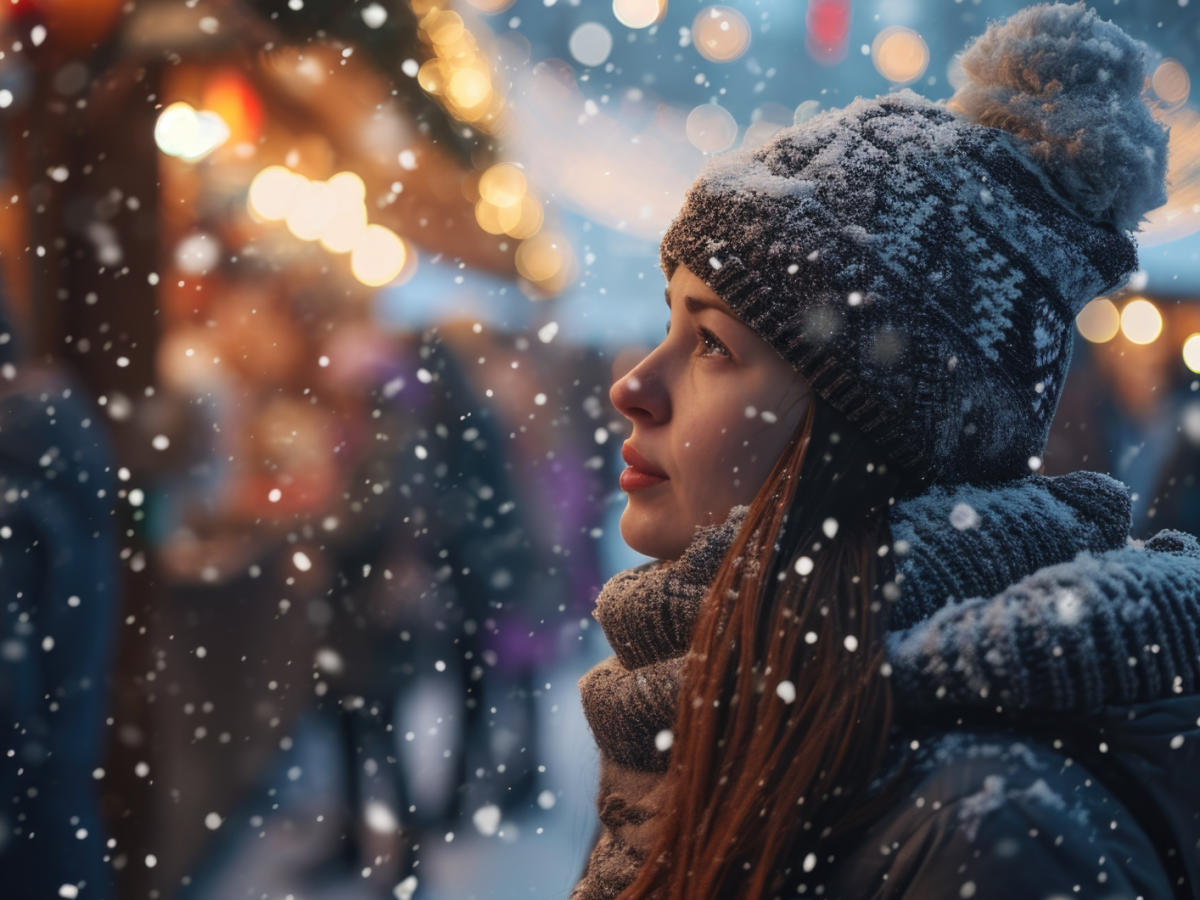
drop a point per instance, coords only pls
(652, 532)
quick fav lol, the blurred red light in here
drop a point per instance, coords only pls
(828, 30)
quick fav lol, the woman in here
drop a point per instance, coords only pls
(881, 658)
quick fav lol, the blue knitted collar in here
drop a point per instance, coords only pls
(962, 541)
(1031, 596)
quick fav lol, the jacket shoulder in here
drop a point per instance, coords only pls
(984, 815)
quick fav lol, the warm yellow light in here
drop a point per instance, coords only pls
(348, 218)
(488, 216)
(720, 33)
(468, 88)
(900, 54)
(187, 133)
(443, 26)
(1141, 321)
(503, 185)
(711, 128)
(311, 210)
(1099, 321)
(434, 75)
(639, 13)
(541, 257)
(272, 192)
(1191, 353)
(523, 219)
(491, 7)
(1171, 81)
(378, 256)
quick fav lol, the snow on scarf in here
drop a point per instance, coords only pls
(1058, 639)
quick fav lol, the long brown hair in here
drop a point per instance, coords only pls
(761, 771)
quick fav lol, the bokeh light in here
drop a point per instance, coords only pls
(230, 95)
(523, 219)
(503, 185)
(1099, 321)
(491, 7)
(543, 259)
(711, 128)
(590, 44)
(468, 88)
(191, 135)
(272, 192)
(197, 253)
(378, 256)
(348, 218)
(311, 210)
(459, 74)
(720, 33)
(900, 54)
(1171, 81)
(505, 205)
(639, 13)
(1191, 353)
(1141, 321)
(827, 30)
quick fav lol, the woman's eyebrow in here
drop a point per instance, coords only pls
(695, 304)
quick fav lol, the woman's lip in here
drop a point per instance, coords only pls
(635, 480)
(641, 472)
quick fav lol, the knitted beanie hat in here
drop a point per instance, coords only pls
(921, 265)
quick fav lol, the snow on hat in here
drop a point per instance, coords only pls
(921, 265)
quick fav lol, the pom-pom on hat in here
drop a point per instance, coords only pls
(921, 265)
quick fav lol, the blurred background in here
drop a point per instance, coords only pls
(308, 314)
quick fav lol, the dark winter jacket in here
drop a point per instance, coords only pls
(1047, 675)
(58, 587)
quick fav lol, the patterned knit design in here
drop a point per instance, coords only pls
(1119, 628)
(962, 542)
(915, 268)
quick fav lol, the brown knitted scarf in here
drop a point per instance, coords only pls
(647, 615)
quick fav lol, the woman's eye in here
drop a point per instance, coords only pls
(712, 345)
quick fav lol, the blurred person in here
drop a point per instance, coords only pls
(879, 657)
(60, 592)
(442, 604)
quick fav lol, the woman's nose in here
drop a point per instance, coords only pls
(640, 395)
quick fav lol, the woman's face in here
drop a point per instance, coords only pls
(712, 409)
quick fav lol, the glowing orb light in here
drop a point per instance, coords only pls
(541, 257)
(197, 253)
(488, 216)
(639, 13)
(491, 7)
(711, 128)
(468, 88)
(1141, 322)
(378, 256)
(311, 210)
(502, 185)
(1191, 353)
(1099, 321)
(590, 44)
(900, 54)
(348, 218)
(191, 135)
(827, 30)
(272, 192)
(522, 220)
(720, 33)
(230, 95)
(1171, 81)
